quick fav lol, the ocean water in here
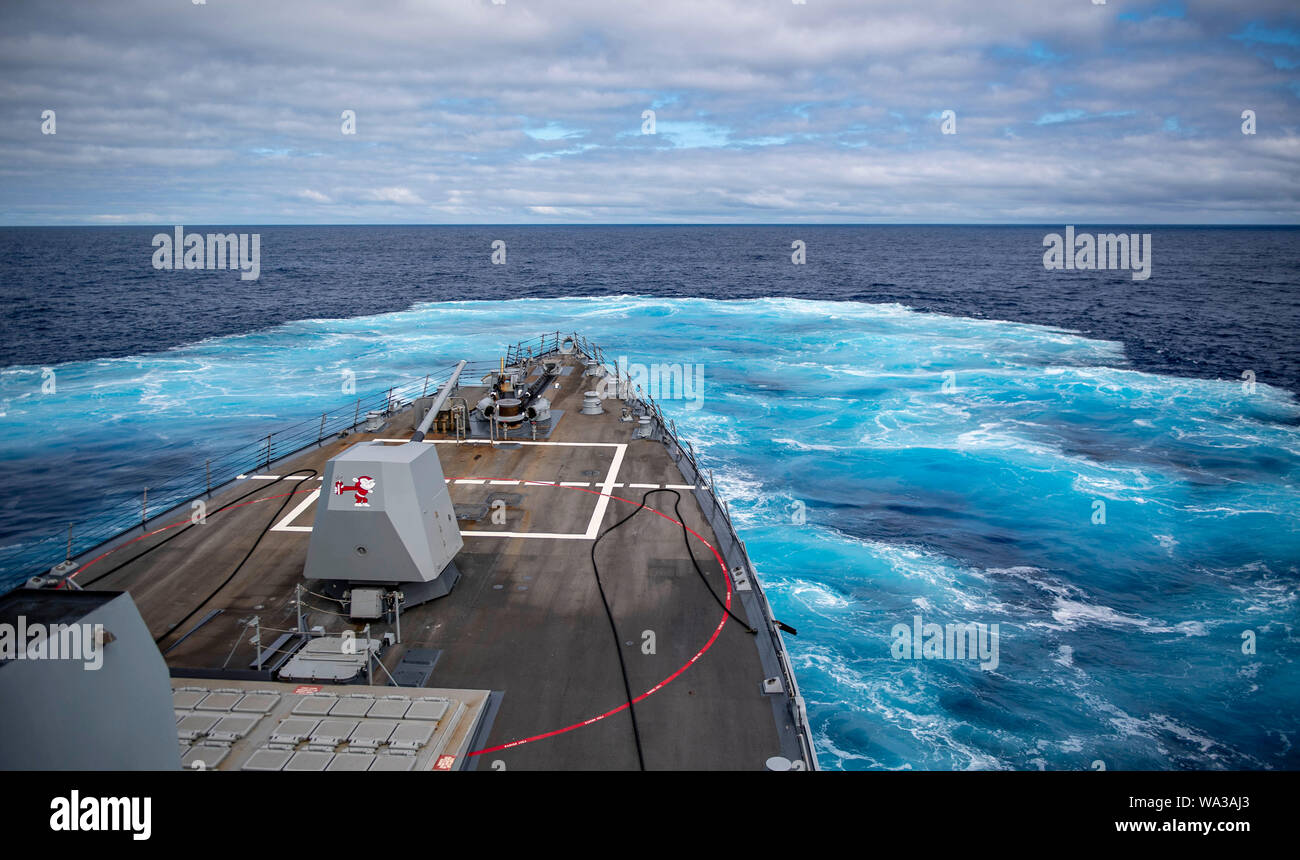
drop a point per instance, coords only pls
(881, 462)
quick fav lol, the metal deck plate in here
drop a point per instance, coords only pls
(352, 706)
(315, 706)
(185, 700)
(427, 709)
(268, 759)
(389, 708)
(371, 733)
(196, 725)
(393, 762)
(332, 732)
(218, 701)
(308, 760)
(294, 730)
(205, 756)
(351, 761)
(234, 727)
(257, 703)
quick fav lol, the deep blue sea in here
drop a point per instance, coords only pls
(919, 421)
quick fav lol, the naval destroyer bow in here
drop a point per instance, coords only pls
(515, 563)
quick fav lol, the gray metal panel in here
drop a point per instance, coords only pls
(352, 706)
(371, 733)
(196, 725)
(332, 731)
(352, 761)
(427, 709)
(233, 727)
(257, 702)
(308, 760)
(210, 755)
(316, 706)
(411, 736)
(389, 708)
(268, 759)
(393, 762)
(218, 701)
(366, 603)
(294, 729)
(185, 700)
(43, 703)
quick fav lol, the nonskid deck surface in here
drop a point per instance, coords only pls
(526, 618)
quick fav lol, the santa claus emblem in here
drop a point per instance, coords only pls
(361, 488)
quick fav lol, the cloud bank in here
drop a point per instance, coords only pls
(534, 111)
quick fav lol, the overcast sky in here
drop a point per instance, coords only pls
(530, 111)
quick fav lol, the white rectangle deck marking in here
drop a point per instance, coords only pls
(602, 502)
(593, 526)
(504, 483)
(283, 525)
(513, 442)
(679, 486)
(547, 535)
(645, 486)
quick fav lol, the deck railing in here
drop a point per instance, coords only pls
(715, 508)
(169, 493)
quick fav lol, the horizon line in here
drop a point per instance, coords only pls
(1049, 223)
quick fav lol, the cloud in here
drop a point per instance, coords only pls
(404, 196)
(477, 112)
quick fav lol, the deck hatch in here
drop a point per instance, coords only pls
(294, 730)
(316, 706)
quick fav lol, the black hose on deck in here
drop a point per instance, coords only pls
(609, 614)
(170, 630)
(179, 532)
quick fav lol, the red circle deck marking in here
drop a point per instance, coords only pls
(666, 681)
(587, 722)
(159, 531)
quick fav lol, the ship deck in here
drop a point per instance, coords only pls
(526, 618)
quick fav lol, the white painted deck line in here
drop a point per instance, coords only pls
(547, 535)
(283, 525)
(514, 442)
(602, 501)
(593, 526)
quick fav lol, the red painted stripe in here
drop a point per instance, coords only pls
(666, 681)
(587, 722)
(109, 552)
